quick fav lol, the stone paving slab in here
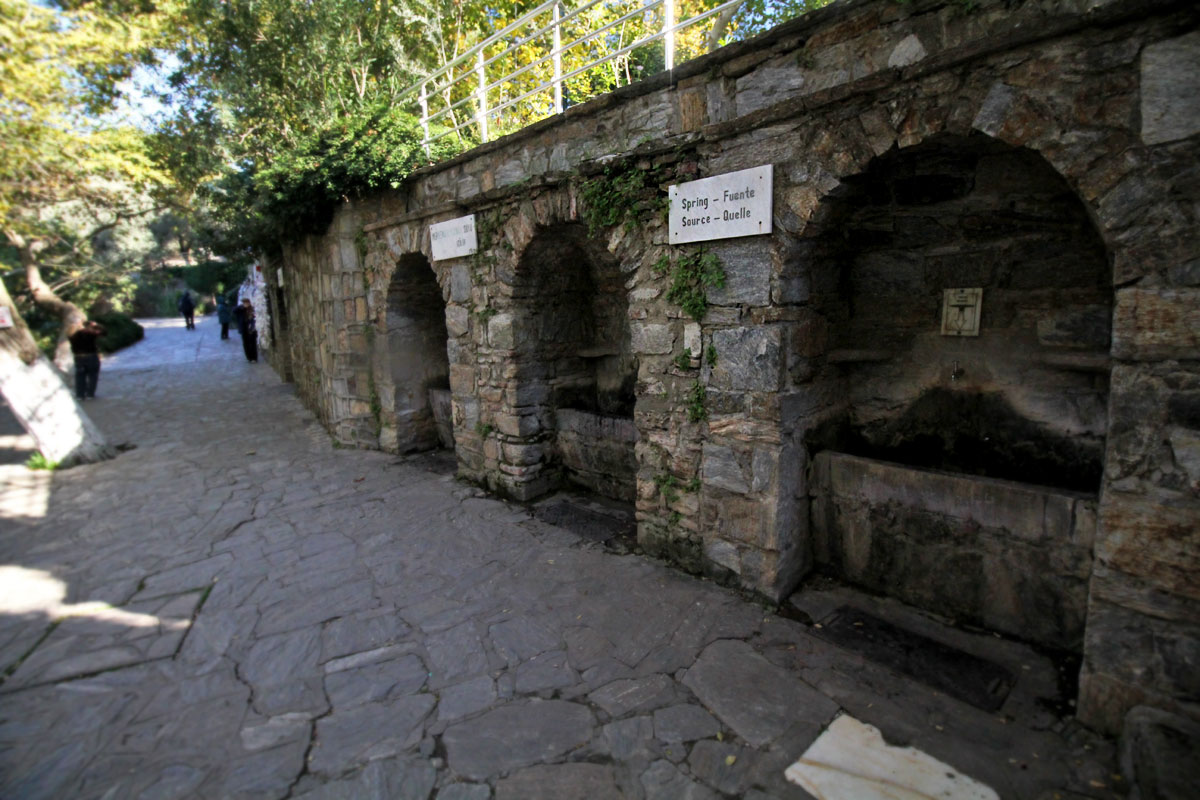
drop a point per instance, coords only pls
(373, 628)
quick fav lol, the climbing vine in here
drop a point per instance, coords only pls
(696, 398)
(692, 275)
(360, 246)
(684, 359)
(619, 194)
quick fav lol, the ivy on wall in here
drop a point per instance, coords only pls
(692, 275)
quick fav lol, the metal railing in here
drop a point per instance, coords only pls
(465, 82)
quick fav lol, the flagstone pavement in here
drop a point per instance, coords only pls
(236, 608)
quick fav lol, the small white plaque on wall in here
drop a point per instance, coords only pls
(6, 319)
(722, 207)
(453, 238)
(279, 275)
(960, 311)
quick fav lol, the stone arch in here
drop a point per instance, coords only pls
(1025, 400)
(574, 369)
(414, 371)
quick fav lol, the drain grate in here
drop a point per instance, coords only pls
(983, 684)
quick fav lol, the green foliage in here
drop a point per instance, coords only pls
(710, 355)
(756, 16)
(120, 330)
(618, 195)
(483, 430)
(692, 276)
(668, 486)
(347, 157)
(211, 277)
(662, 266)
(696, 397)
(684, 359)
(39, 461)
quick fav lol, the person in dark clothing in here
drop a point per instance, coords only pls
(246, 327)
(187, 307)
(224, 316)
(85, 348)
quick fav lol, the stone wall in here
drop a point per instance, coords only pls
(1086, 91)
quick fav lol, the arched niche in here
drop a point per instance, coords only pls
(573, 357)
(960, 473)
(416, 389)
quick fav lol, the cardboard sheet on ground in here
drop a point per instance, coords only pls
(851, 761)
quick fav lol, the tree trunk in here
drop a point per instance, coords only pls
(67, 312)
(42, 401)
(720, 25)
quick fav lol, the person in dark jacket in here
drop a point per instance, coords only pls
(187, 307)
(86, 349)
(246, 327)
(224, 316)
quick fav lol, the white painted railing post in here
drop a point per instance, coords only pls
(425, 118)
(481, 97)
(558, 93)
(669, 31)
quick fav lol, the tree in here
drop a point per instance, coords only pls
(282, 109)
(65, 178)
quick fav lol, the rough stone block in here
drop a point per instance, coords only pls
(720, 467)
(460, 284)
(1160, 754)
(1157, 542)
(769, 84)
(755, 698)
(501, 335)
(517, 425)
(724, 554)
(458, 320)
(908, 52)
(650, 338)
(1170, 73)
(747, 263)
(749, 359)
(1157, 324)
(515, 736)
(462, 378)
(691, 338)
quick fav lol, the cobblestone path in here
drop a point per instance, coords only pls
(235, 608)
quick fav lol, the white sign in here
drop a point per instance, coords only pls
(279, 275)
(453, 238)
(722, 207)
(960, 312)
(5, 317)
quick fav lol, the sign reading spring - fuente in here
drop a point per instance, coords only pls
(722, 207)
(453, 238)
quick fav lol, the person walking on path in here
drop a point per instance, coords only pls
(187, 307)
(246, 327)
(224, 316)
(86, 349)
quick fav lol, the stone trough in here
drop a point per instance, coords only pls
(1008, 556)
